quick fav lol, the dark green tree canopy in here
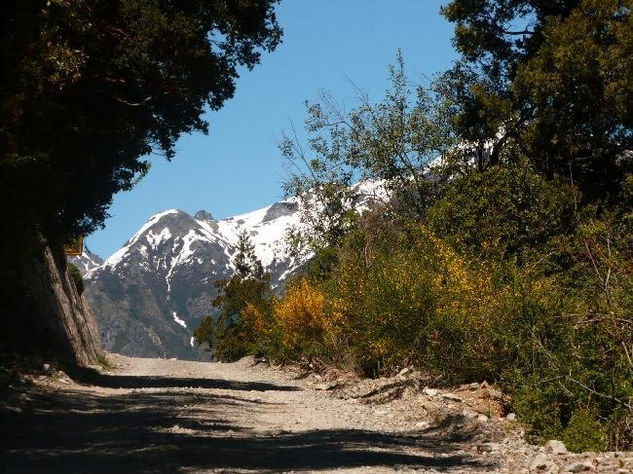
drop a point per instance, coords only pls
(89, 87)
(497, 34)
(554, 78)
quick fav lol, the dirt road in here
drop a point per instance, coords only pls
(169, 416)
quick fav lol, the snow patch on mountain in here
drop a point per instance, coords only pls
(155, 239)
(151, 222)
(369, 193)
(179, 321)
(267, 233)
(87, 261)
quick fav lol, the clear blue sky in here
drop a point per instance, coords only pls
(237, 167)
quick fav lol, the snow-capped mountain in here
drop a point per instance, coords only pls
(151, 294)
(87, 261)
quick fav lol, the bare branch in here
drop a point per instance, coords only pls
(134, 104)
(593, 262)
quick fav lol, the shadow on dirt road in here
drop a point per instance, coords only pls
(92, 377)
(171, 428)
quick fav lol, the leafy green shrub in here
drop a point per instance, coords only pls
(405, 297)
(502, 211)
(585, 432)
(567, 338)
(75, 274)
(228, 334)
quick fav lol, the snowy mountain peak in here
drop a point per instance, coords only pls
(87, 261)
(203, 215)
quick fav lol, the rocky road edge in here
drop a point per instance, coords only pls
(481, 411)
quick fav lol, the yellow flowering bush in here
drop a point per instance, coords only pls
(302, 314)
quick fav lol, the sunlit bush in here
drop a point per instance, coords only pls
(406, 297)
(302, 315)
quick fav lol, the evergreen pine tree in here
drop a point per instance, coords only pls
(227, 336)
(551, 79)
(247, 265)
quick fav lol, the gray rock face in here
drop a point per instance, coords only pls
(578, 467)
(56, 310)
(554, 446)
(541, 464)
(204, 216)
(279, 209)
